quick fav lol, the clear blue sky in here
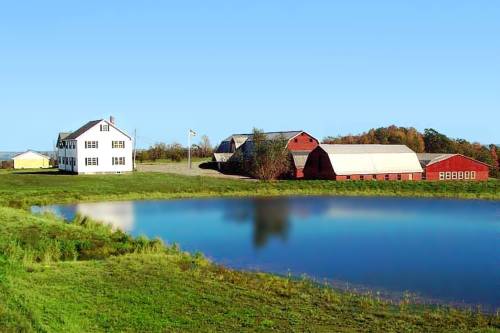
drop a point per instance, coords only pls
(328, 67)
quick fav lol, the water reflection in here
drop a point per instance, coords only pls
(437, 248)
(120, 215)
(271, 218)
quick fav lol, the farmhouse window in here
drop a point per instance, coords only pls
(118, 161)
(118, 144)
(91, 161)
(104, 128)
(91, 144)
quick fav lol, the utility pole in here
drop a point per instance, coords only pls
(135, 150)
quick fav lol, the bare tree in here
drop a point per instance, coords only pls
(269, 158)
(205, 147)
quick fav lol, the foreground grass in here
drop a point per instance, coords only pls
(21, 189)
(84, 277)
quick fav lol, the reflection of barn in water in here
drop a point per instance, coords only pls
(270, 217)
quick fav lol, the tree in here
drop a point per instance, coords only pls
(269, 158)
(205, 147)
(436, 142)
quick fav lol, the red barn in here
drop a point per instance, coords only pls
(299, 143)
(452, 167)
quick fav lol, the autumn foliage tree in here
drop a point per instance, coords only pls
(384, 135)
(431, 141)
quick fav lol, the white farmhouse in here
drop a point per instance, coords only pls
(96, 147)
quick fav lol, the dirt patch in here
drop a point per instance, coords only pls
(183, 169)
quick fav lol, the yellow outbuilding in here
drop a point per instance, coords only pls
(31, 160)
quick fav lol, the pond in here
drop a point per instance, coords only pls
(441, 250)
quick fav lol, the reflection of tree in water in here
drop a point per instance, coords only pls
(270, 218)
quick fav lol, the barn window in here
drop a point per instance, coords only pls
(310, 140)
(460, 175)
(441, 176)
(467, 173)
(448, 175)
(473, 175)
(399, 176)
(348, 177)
(454, 175)
(361, 177)
(386, 177)
(295, 140)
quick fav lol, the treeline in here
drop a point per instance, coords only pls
(175, 151)
(431, 141)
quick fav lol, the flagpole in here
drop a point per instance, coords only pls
(189, 149)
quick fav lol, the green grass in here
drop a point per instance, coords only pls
(86, 277)
(114, 283)
(21, 189)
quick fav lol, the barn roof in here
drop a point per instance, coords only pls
(300, 158)
(241, 139)
(352, 159)
(222, 157)
(270, 135)
(432, 158)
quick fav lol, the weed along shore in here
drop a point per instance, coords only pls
(85, 276)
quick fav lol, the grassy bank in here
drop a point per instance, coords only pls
(85, 277)
(20, 189)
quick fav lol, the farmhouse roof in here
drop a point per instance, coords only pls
(352, 159)
(74, 135)
(83, 129)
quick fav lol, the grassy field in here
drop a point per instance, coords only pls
(21, 189)
(84, 277)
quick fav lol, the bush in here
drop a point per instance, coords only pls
(269, 158)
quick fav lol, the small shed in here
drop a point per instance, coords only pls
(31, 160)
(452, 167)
(363, 162)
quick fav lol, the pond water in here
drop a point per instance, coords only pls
(442, 250)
